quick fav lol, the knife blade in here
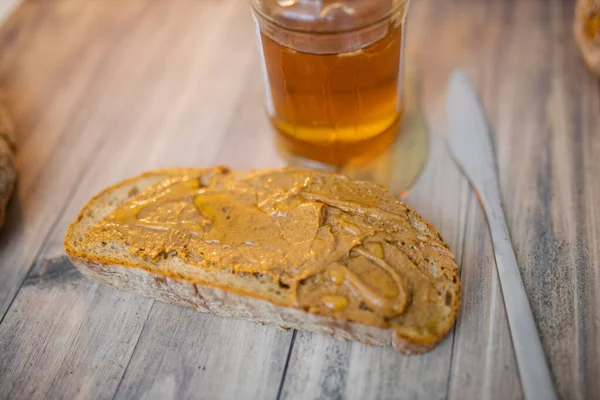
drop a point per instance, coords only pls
(470, 146)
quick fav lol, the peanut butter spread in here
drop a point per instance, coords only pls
(332, 245)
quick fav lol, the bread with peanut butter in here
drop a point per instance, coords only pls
(298, 249)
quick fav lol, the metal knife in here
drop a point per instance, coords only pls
(468, 139)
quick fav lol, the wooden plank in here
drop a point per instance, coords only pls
(194, 355)
(90, 332)
(544, 106)
(56, 340)
(483, 361)
(51, 91)
(567, 264)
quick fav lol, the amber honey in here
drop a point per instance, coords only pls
(335, 108)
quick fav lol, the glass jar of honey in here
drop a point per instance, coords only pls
(333, 74)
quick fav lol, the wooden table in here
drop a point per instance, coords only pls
(101, 90)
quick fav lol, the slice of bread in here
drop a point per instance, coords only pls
(297, 249)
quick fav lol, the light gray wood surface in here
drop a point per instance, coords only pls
(6, 7)
(165, 83)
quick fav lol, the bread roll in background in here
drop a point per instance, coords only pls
(586, 28)
(8, 174)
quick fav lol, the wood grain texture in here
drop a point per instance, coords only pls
(540, 127)
(55, 141)
(161, 84)
(193, 355)
(67, 337)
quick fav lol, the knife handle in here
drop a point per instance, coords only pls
(536, 379)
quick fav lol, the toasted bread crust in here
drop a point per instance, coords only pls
(587, 33)
(8, 173)
(223, 300)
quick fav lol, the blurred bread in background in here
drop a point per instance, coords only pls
(8, 174)
(587, 31)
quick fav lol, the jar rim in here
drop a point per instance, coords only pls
(334, 31)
